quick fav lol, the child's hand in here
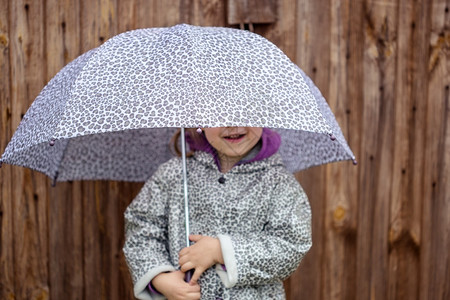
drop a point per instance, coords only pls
(201, 256)
(173, 286)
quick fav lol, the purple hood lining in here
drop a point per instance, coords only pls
(269, 144)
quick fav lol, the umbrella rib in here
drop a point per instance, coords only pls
(59, 161)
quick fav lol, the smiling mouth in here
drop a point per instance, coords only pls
(234, 138)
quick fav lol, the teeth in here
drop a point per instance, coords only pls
(234, 136)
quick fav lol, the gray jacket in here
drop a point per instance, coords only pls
(259, 213)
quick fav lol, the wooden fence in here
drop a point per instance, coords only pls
(381, 230)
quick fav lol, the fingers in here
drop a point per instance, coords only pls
(193, 296)
(183, 257)
(195, 237)
(183, 251)
(186, 267)
(194, 288)
(184, 261)
(179, 274)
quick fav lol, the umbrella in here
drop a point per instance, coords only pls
(99, 110)
(108, 113)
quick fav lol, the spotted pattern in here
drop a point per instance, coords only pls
(260, 206)
(140, 85)
(303, 149)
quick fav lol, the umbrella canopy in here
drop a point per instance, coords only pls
(109, 113)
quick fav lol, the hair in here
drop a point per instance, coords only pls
(174, 141)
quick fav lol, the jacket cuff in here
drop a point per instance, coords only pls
(229, 274)
(141, 290)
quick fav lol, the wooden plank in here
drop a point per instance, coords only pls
(134, 14)
(62, 24)
(167, 13)
(106, 199)
(420, 26)
(283, 32)
(435, 241)
(29, 192)
(98, 22)
(66, 247)
(251, 11)
(341, 195)
(203, 12)
(312, 37)
(7, 286)
(65, 206)
(405, 219)
(349, 116)
(376, 148)
(92, 249)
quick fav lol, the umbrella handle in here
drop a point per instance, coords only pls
(188, 275)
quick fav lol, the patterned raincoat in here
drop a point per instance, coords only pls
(258, 211)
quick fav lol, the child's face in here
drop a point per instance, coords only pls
(233, 142)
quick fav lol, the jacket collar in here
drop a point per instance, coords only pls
(207, 159)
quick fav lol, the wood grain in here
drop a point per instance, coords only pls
(29, 191)
(7, 278)
(434, 259)
(404, 231)
(251, 11)
(378, 127)
(341, 201)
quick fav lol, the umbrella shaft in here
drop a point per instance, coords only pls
(185, 186)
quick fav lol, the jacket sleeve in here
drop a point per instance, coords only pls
(274, 253)
(146, 239)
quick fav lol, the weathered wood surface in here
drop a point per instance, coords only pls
(7, 280)
(251, 11)
(380, 230)
(435, 236)
(29, 189)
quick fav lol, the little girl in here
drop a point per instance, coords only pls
(249, 218)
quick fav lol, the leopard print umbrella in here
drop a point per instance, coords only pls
(110, 113)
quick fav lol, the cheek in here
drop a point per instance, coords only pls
(255, 134)
(211, 135)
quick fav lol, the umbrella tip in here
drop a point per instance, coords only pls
(355, 162)
(54, 179)
(52, 142)
(332, 137)
(199, 130)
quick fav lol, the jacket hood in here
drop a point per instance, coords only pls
(267, 146)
